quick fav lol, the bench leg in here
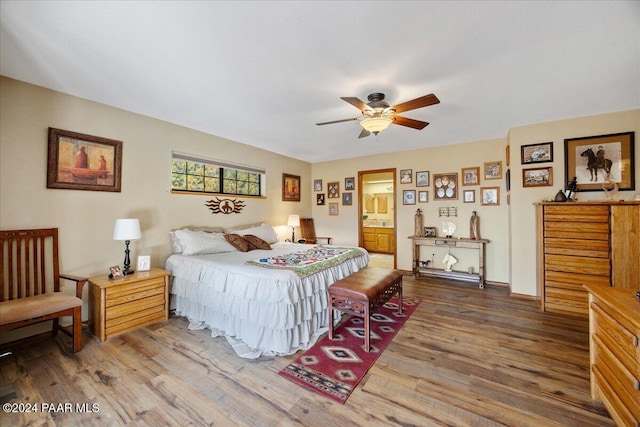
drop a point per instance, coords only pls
(331, 319)
(367, 327)
(400, 298)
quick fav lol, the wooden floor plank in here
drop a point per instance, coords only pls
(466, 357)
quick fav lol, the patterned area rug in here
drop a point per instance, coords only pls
(335, 368)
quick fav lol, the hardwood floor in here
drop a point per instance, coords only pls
(467, 357)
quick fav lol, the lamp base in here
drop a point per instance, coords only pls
(127, 272)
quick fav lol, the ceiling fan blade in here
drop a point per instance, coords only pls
(364, 133)
(411, 123)
(423, 101)
(356, 102)
(337, 121)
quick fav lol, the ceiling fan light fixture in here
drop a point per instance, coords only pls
(376, 124)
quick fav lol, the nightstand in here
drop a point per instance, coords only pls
(121, 305)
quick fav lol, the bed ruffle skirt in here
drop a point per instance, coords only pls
(258, 316)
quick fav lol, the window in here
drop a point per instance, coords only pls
(200, 175)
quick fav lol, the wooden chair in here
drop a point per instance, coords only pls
(308, 232)
(30, 283)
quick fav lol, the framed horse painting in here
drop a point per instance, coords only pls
(598, 160)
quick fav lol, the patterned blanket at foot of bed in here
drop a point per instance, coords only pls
(305, 263)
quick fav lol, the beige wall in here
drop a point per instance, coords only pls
(522, 218)
(493, 219)
(86, 218)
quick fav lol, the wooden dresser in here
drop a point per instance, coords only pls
(120, 305)
(614, 335)
(583, 243)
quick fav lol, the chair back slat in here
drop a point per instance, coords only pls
(28, 262)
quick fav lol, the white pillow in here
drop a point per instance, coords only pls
(176, 244)
(201, 242)
(263, 231)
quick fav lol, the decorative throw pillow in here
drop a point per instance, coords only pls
(239, 242)
(256, 241)
(201, 242)
(263, 231)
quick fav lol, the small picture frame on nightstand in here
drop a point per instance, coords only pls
(144, 263)
(116, 272)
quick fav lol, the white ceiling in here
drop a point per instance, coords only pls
(263, 73)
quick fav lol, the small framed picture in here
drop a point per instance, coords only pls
(144, 263)
(116, 272)
(537, 177)
(536, 153)
(320, 199)
(490, 196)
(423, 196)
(347, 199)
(422, 179)
(349, 184)
(469, 196)
(406, 176)
(471, 176)
(493, 170)
(429, 231)
(317, 185)
(409, 197)
(333, 188)
(333, 209)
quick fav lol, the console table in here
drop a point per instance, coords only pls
(450, 242)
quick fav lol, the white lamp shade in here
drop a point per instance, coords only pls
(126, 229)
(294, 221)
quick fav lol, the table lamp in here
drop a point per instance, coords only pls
(127, 230)
(293, 222)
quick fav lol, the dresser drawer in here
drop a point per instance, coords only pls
(619, 339)
(573, 264)
(627, 386)
(576, 213)
(620, 413)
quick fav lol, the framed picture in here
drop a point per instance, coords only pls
(423, 196)
(333, 189)
(430, 231)
(422, 179)
(490, 196)
(290, 188)
(445, 186)
(469, 196)
(349, 184)
(347, 199)
(406, 176)
(333, 209)
(320, 199)
(471, 176)
(77, 161)
(317, 185)
(507, 153)
(536, 153)
(537, 177)
(409, 197)
(144, 263)
(493, 170)
(115, 272)
(592, 159)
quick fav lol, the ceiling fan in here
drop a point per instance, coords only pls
(377, 114)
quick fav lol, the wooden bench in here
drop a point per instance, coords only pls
(30, 283)
(362, 293)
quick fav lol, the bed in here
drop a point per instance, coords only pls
(266, 302)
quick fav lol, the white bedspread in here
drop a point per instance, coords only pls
(261, 311)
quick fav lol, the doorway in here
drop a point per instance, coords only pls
(377, 215)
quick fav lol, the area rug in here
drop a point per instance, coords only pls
(334, 368)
